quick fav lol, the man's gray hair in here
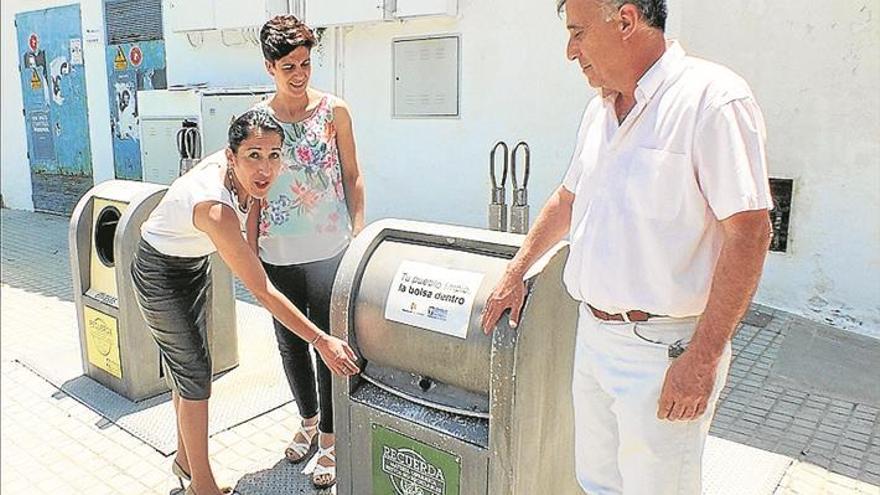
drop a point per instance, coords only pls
(654, 11)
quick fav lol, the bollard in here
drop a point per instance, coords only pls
(498, 204)
(519, 210)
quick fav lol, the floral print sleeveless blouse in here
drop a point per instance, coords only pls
(305, 217)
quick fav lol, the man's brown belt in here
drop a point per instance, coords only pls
(634, 315)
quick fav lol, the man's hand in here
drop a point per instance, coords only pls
(550, 226)
(508, 294)
(687, 387)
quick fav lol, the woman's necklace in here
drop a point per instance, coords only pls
(234, 190)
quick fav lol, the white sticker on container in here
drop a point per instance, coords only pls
(433, 298)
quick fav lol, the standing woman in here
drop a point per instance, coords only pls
(203, 212)
(311, 214)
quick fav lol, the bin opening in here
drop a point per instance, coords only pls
(426, 384)
(105, 231)
(415, 388)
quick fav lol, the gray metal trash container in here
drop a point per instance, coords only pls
(117, 349)
(441, 408)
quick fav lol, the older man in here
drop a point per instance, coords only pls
(665, 202)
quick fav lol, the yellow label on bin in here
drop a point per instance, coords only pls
(102, 341)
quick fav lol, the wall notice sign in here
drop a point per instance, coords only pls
(76, 51)
(433, 298)
(136, 55)
(120, 62)
(92, 35)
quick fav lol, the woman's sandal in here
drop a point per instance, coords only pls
(177, 470)
(226, 491)
(182, 475)
(325, 472)
(302, 443)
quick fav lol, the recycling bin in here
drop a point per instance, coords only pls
(440, 408)
(117, 348)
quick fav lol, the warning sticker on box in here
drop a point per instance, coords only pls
(433, 298)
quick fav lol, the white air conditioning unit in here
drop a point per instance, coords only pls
(162, 113)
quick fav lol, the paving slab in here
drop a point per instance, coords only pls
(826, 361)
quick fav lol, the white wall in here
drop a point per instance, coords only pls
(204, 58)
(212, 62)
(515, 85)
(15, 178)
(815, 69)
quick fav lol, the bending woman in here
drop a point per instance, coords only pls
(204, 211)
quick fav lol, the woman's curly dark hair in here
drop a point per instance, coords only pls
(283, 34)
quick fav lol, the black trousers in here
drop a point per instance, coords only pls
(308, 286)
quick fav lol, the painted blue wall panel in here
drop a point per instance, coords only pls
(131, 67)
(55, 106)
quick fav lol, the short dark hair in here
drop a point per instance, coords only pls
(247, 123)
(654, 11)
(283, 34)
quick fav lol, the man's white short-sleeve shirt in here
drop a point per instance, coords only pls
(651, 192)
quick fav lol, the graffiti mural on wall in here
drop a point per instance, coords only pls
(55, 106)
(131, 67)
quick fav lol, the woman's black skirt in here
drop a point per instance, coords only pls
(172, 293)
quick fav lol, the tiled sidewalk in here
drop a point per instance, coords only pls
(51, 443)
(839, 435)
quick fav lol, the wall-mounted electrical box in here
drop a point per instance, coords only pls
(416, 8)
(426, 74)
(207, 15)
(163, 113)
(321, 13)
(231, 14)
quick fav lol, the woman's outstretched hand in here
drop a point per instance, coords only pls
(337, 355)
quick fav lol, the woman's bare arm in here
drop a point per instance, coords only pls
(222, 226)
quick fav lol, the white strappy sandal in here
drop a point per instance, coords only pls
(322, 472)
(297, 450)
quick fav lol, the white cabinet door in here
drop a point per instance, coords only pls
(338, 12)
(159, 155)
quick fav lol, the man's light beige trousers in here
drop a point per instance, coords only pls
(620, 445)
